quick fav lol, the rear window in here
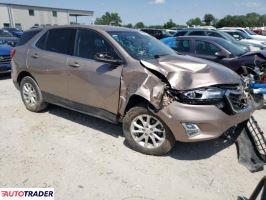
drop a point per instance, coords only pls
(27, 36)
(58, 40)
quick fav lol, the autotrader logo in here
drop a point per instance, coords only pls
(26, 193)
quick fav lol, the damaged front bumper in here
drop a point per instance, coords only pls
(210, 121)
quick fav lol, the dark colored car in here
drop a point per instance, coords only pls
(14, 31)
(123, 75)
(5, 59)
(220, 34)
(157, 33)
(7, 38)
(218, 50)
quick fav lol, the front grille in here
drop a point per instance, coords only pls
(235, 101)
(5, 59)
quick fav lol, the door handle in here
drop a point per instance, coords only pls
(35, 56)
(74, 65)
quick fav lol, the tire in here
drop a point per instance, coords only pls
(133, 116)
(31, 95)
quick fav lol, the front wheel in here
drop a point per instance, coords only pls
(146, 133)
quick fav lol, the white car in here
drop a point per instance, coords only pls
(239, 35)
(248, 32)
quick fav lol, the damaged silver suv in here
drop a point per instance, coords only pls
(124, 75)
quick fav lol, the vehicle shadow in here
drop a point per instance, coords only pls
(5, 76)
(199, 150)
(114, 130)
(181, 151)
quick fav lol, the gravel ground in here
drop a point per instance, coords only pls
(86, 158)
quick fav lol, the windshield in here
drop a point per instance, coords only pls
(5, 34)
(232, 48)
(227, 36)
(250, 32)
(140, 45)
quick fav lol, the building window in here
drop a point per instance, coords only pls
(31, 12)
(54, 13)
(6, 25)
(18, 26)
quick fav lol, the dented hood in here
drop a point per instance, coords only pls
(186, 72)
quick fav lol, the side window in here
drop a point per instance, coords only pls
(27, 36)
(183, 45)
(181, 33)
(61, 40)
(206, 48)
(42, 41)
(214, 34)
(197, 33)
(89, 43)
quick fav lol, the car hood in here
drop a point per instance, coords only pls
(186, 72)
(5, 49)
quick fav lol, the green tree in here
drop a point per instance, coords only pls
(109, 18)
(208, 19)
(194, 22)
(139, 25)
(169, 24)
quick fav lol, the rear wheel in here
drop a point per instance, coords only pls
(31, 95)
(146, 133)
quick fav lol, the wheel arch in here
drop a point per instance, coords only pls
(135, 100)
(24, 74)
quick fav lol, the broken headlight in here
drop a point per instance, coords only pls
(205, 96)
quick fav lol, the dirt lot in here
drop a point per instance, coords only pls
(86, 158)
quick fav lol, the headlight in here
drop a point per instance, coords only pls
(206, 96)
(205, 93)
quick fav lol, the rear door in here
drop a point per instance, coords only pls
(92, 83)
(47, 60)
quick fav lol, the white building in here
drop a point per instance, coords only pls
(25, 16)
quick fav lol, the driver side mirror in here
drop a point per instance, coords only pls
(220, 54)
(106, 58)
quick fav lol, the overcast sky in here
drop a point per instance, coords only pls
(153, 12)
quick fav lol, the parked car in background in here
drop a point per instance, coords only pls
(5, 58)
(123, 75)
(219, 34)
(7, 38)
(171, 31)
(14, 31)
(157, 33)
(218, 50)
(248, 32)
(243, 37)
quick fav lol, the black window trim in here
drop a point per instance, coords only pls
(75, 43)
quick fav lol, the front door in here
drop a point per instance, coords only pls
(92, 83)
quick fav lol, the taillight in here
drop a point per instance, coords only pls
(13, 53)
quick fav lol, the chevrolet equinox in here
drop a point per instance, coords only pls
(126, 76)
